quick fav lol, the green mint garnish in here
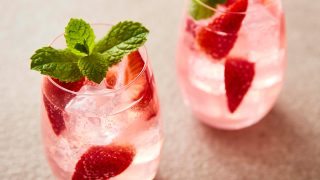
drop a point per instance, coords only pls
(84, 57)
(122, 39)
(60, 64)
(94, 66)
(79, 36)
(198, 11)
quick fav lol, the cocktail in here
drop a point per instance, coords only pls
(100, 110)
(231, 60)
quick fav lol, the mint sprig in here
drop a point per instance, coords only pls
(79, 36)
(84, 57)
(198, 11)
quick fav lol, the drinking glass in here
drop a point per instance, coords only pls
(102, 130)
(231, 65)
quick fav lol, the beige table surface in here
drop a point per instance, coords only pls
(284, 146)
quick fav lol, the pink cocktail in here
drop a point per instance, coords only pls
(231, 64)
(112, 129)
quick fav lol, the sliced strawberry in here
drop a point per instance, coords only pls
(142, 87)
(148, 95)
(238, 76)
(104, 162)
(72, 86)
(147, 105)
(218, 38)
(59, 96)
(55, 116)
(134, 68)
(55, 99)
(216, 45)
(112, 77)
(230, 2)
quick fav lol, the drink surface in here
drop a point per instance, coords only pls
(113, 127)
(260, 40)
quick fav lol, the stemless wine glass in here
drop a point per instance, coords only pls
(231, 65)
(93, 131)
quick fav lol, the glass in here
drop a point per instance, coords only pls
(260, 42)
(103, 121)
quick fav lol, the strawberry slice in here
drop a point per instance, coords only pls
(72, 86)
(55, 100)
(230, 2)
(58, 96)
(218, 38)
(142, 87)
(104, 162)
(55, 116)
(238, 77)
(112, 77)
(134, 67)
(147, 105)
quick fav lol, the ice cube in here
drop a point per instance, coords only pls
(207, 75)
(63, 154)
(88, 122)
(262, 30)
(94, 101)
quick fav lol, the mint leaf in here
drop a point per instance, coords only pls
(79, 36)
(199, 11)
(94, 66)
(60, 64)
(123, 38)
(85, 58)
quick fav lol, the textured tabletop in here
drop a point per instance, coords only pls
(285, 145)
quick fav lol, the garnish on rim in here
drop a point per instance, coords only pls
(84, 57)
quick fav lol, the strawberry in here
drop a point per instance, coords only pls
(134, 68)
(72, 86)
(142, 87)
(218, 37)
(230, 2)
(238, 76)
(55, 116)
(112, 77)
(147, 105)
(104, 162)
(59, 96)
(148, 95)
(55, 99)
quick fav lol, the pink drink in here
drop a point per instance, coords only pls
(95, 116)
(260, 40)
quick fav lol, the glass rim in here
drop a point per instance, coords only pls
(110, 91)
(226, 11)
